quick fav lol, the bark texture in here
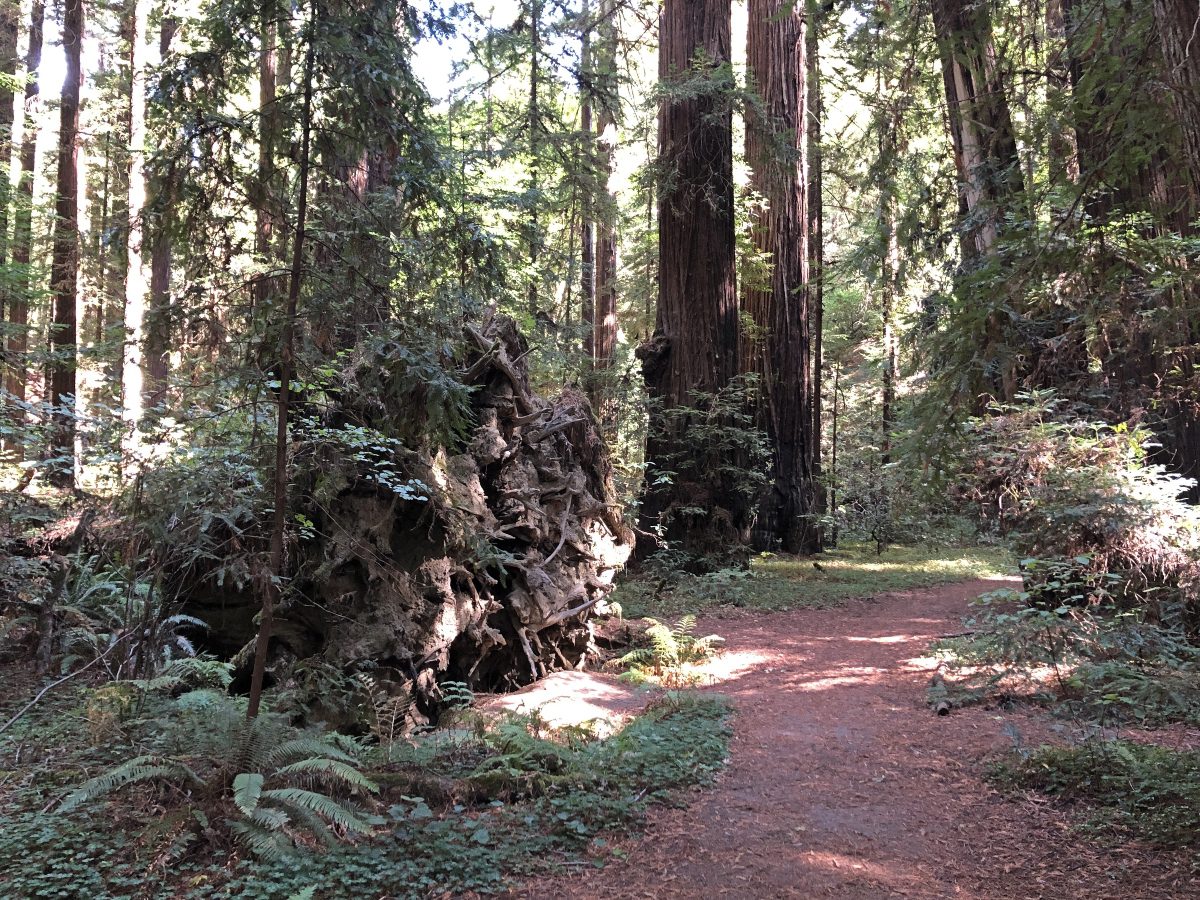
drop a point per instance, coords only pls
(694, 347)
(18, 306)
(985, 145)
(604, 324)
(780, 349)
(64, 264)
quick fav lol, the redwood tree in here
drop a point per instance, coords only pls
(693, 353)
(64, 265)
(18, 305)
(777, 149)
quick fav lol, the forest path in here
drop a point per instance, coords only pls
(843, 783)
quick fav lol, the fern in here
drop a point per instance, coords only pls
(135, 771)
(671, 650)
(321, 804)
(277, 783)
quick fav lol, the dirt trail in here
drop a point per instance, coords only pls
(842, 783)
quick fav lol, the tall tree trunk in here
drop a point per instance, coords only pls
(533, 188)
(695, 343)
(990, 178)
(287, 364)
(268, 137)
(777, 145)
(587, 227)
(137, 286)
(985, 145)
(1177, 22)
(604, 342)
(9, 26)
(816, 239)
(64, 265)
(1061, 152)
(1179, 35)
(158, 325)
(18, 307)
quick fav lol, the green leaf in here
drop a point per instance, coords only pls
(247, 788)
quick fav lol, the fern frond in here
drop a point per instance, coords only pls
(314, 825)
(247, 789)
(263, 841)
(302, 748)
(326, 769)
(324, 806)
(134, 771)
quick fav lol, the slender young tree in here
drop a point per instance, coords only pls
(287, 368)
(64, 265)
(694, 349)
(777, 150)
(158, 324)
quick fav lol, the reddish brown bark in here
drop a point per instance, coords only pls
(604, 325)
(777, 149)
(18, 307)
(695, 343)
(64, 264)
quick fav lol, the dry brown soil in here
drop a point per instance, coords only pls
(842, 783)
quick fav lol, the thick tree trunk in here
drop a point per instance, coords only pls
(64, 265)
(990, 179)
(777, 149)
(18, 307)
(985, 146)
(137, 285)
(1177, 30)
(1061, 151)
(695, 343)
(1176, 22)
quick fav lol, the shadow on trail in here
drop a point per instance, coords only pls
(842, 783)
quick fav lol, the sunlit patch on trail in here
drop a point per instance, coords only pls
(731, 664)
(854, 867)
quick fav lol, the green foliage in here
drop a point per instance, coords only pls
(111, 613)
(672, 650)
(780, 583)
(1151, 792)
(1072, 489)
(559, 798)
(274, 783)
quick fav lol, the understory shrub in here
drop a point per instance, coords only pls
(1153, 792)
(461, 809)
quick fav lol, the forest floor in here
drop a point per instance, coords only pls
(842, 783)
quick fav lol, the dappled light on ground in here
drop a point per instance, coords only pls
(843, 783)
(598, 702)
(729, 665)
